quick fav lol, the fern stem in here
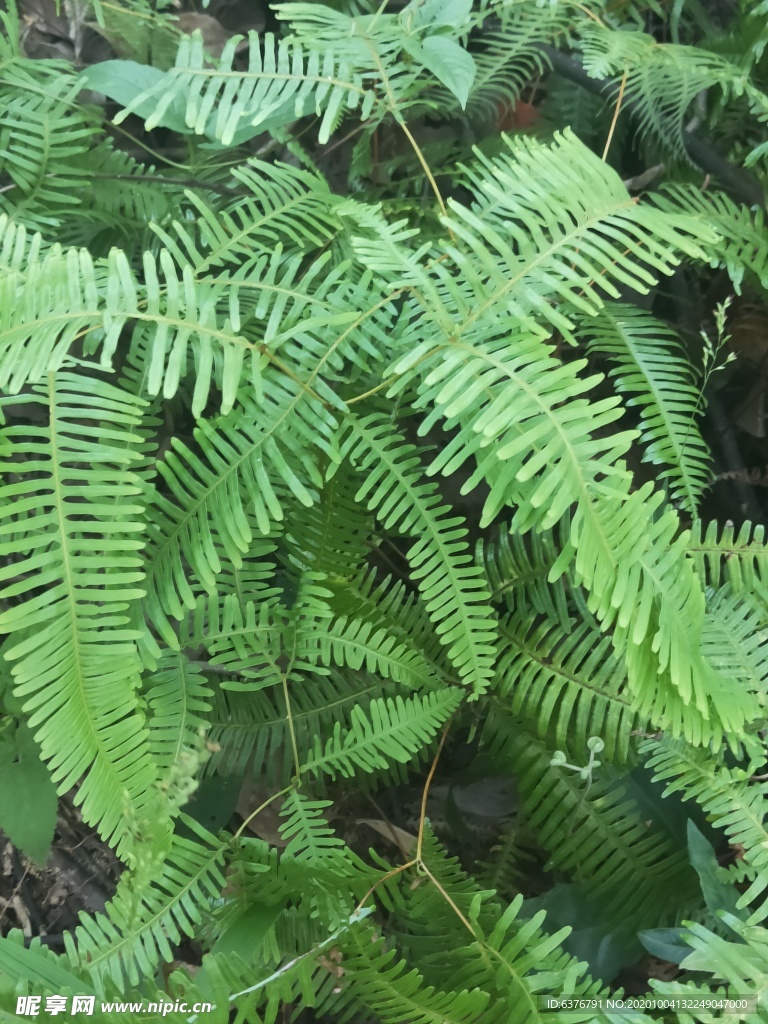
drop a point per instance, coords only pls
(428, 783)
(417, 860)
(449, 900)
(260, 808)
(590, 14)
(148, 149)
(367, 394)
(291, 729)
(427, 170)
(615, 118)
(385, 878)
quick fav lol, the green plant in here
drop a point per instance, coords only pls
(311, 484)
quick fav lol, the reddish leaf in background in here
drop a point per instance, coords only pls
(522, 117)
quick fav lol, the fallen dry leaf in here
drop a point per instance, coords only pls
(406, 841)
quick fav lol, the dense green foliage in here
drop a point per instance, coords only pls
(347, 438)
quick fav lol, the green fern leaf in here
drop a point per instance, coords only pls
(141, 925)
(569, 686)
(599, 835)
(179, 700)
(654, 372)
(250, 460)
(281, 205)
(452, 586)
(733, 641)
(722, 554)
(357, 643)
(252, 728)
(733, 802)
(519, 571)
(72, 523)
(282, 81)
(662, 80)
(392, 730)
(390, 605)
(43, 133)
(374, 979)
(306, 829)
(741, 247)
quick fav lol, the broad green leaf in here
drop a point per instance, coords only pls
(27, 796)
(124, 80)
(718, 894)
(451, 64)
(666, 943)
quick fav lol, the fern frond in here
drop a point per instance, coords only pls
(282, 206)
(467, 940)
(740, 961)
(43, 133)
(741, 247)
(179, 700)
(427, 917)
(549, 448)
(31, 966)
(468, 382)
(586, 114)
(388, 604)
(479, 333)
(508, 60)
(453, 588)
(510, 52)
(599, 836)
(392, 730)
(733, 801)
(255, 456)
(532, 259)
(306, 829)
(504, 870)
(375, 980)
(677, 622)
(252, 575)
(357, 643)
(19, 247)
(519, 959)
(123, 199)
(652, 370)
(246, 641)
(332, 536)
(734, 643)
(66, 295)
(140, 30)
(662, 79)
(519, 571)
(724, 555)
(367, 41)
(757, 20)
(283, 81)
(254, 727)
(71, 525)
(140, 926)
(569, 686)
(260, 994)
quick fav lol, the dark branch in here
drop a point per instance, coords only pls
(737, 182)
